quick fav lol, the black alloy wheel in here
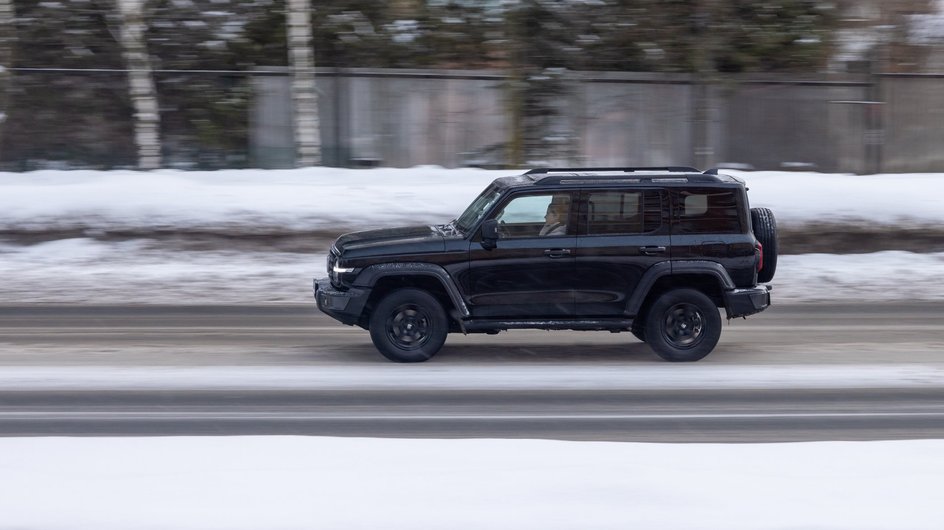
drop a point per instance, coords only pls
(683, 325)
(408, 326)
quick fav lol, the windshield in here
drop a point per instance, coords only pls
(477, 209)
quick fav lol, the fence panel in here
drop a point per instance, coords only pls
(453, 118)
(914, 123)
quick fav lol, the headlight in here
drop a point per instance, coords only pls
(336, 272)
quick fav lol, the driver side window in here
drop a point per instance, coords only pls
(534, 216)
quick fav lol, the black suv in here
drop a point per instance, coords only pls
(653, 251)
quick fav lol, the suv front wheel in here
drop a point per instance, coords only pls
(683, 325)
(408, 326)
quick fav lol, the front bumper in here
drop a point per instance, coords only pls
(344, 306)
(743, 302)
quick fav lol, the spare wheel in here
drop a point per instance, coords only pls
(765, 230)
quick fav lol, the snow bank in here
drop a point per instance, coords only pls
(78, 265)
(325, 198)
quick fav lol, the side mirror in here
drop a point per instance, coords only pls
(490, 234)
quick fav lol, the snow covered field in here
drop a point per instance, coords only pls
(277, 483)
(94, 232)
(88, 237)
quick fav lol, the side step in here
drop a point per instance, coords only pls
(487, 325)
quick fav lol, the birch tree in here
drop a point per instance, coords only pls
(141, 81)
(304, 96)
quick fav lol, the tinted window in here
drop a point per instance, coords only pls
(707, 212)
(623, 212)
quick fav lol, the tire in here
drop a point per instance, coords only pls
(408, 326)
(683, 325)
(765, 230)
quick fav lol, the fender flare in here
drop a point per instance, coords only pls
(370, 275)
(669, 268)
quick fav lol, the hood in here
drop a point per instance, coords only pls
(386, 241)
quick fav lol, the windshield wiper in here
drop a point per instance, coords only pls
(450, 229)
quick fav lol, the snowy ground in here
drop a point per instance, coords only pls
(89, 271)
(103, 237)
(176, 237)
(276, 483)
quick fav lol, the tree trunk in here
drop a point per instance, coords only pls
(141, 80)
(304, 96)
(7, 38)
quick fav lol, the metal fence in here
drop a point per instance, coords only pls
(401, 118)
(848, 123)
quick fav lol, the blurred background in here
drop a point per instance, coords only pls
(833, 86)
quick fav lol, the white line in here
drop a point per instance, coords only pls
(804, 328)
(173, 415)
(454, 377)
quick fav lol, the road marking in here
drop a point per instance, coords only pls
(379, 376)
(800, 328)
(244, 416)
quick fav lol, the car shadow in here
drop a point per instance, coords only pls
(537, 353)
(510, 347)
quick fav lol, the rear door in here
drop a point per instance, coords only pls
(622, 233)
(710, 224)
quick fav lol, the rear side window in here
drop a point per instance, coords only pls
(623, 212)
(707, 212)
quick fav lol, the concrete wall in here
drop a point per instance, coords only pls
(773, 124)
(271, 135)
(913, 123)
(401, 118)
(635, 120)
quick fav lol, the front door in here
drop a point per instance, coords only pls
(530, 272)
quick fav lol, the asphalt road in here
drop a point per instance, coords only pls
(812, 372)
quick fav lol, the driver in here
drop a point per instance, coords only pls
(555, 220)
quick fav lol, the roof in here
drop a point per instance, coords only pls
(582, 176)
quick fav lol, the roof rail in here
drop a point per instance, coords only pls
(546, 170)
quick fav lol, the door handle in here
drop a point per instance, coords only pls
(557, 252)
(652, 250)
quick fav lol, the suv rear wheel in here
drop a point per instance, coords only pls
(683, 325)
(408, 326)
